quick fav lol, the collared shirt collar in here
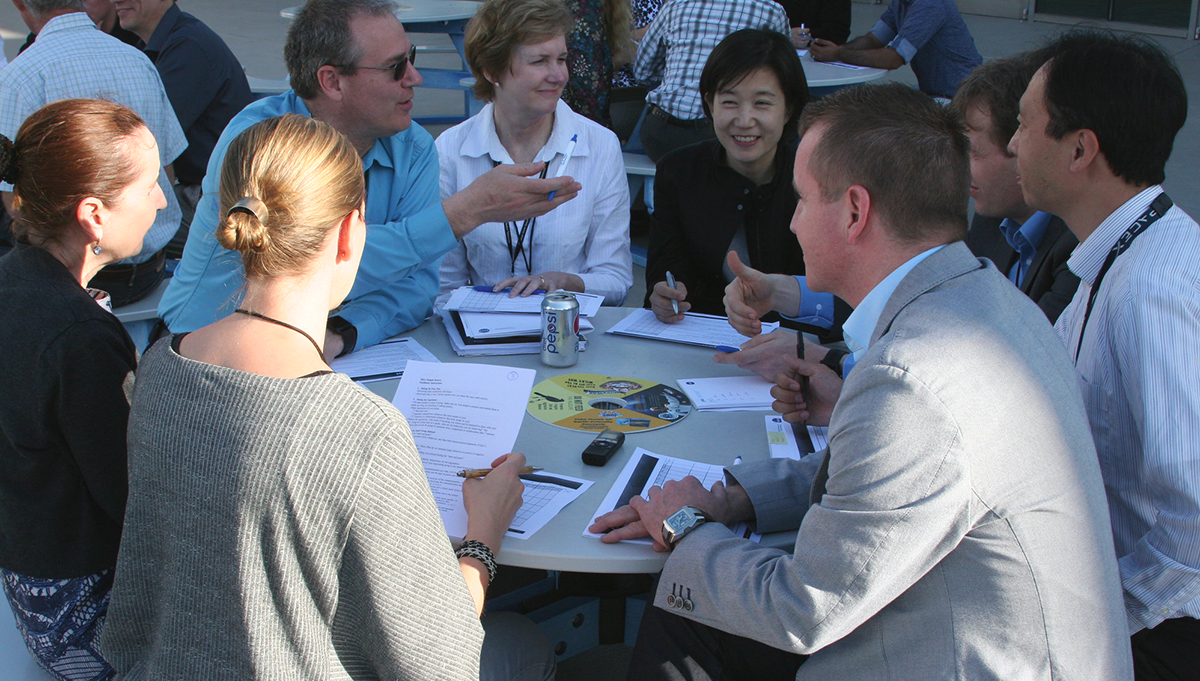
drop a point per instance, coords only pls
(159, 37)
(1089, 256)
(861, 323)
(67, 22)
(1025, 238)
(483, 140)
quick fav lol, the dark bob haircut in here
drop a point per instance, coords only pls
(745, 51)
(1125, 89)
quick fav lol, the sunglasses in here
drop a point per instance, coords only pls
(398, 69)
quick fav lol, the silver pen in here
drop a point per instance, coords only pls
(671, 283)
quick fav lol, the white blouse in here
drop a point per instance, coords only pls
(587, 236)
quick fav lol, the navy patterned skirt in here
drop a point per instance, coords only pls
(60, 620)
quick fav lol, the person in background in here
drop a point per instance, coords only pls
(102, 12)
(828, 20)
(671, 56)
(627, 95)
(350, 65)
(600, 33)
(928, 34)
(204, 80)
(279, 522)
(517, 52)
(1093, 150)
(733, 193)
(1031, 247)
(84, 175)
(72, 59)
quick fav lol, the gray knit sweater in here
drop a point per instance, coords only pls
(280, 529)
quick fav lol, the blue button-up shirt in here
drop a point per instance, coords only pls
(204, 81)
(407, 235)
(1024, 239)
(932, 37)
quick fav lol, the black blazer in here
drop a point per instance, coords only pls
(1048, 282)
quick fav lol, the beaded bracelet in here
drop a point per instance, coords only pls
(480, 552)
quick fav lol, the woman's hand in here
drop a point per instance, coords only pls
(493, 500)
(546, 281)
(660, 301)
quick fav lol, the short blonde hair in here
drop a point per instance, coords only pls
(305, 176)
(500, 27)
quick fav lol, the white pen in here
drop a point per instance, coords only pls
(562, 166)
(737, 460)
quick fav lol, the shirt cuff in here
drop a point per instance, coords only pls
(905, 49)
(883, 32)
(816, 309)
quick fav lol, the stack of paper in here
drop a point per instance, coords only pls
(729, 393)
(793, 440)
(483, 322)
(695, 329)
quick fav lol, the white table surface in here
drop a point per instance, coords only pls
(820, 74)
(709, 437)
(419, 11)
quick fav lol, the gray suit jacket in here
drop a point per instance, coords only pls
(963, 532)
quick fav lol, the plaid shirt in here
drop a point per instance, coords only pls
(673, 52)
(70, 59)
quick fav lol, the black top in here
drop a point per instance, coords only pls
(1048, 281)
(68, 376)
(828, 19)
(203, 80)
(699, 204)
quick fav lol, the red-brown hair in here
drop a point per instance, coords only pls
(65, 152)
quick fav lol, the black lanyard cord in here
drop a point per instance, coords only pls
(519, 249)
(1157, 209)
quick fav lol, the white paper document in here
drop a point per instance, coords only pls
(545, 495)
(695, 329)
(507, 324)
(646, 469)
(383, 361)
(467, 299)
(461, 416)
(729, 393)
(791, 441)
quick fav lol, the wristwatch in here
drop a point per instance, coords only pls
(833, 360)
(681, 522)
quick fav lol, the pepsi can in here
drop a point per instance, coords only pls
(560, 329)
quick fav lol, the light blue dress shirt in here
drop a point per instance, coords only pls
(407, 235)
(860, 325)
(1024, 239)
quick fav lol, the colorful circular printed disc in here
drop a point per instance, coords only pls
(593, 402)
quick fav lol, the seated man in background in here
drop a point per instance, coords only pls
(1098, 122)
(928, 34)
(204, 80)
(925, 547)
(350, 64)
(72, 59)
(1028, 245)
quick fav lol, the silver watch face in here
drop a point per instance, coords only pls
(680, 519)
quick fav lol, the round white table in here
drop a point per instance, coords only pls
(715, 437)
(824, 78)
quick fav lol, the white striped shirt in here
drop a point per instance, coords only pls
(1140, 374)
(587, 236)
(72, 58)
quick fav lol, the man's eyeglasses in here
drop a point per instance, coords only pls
(398, 69)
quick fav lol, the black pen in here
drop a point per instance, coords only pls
(801, 378)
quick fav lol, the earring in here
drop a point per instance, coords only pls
(497, 83)
(96, 248)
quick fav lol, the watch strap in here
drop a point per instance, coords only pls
(833, 360)
(346, 330)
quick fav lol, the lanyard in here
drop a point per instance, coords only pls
(1161, 205)
(526, 227)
